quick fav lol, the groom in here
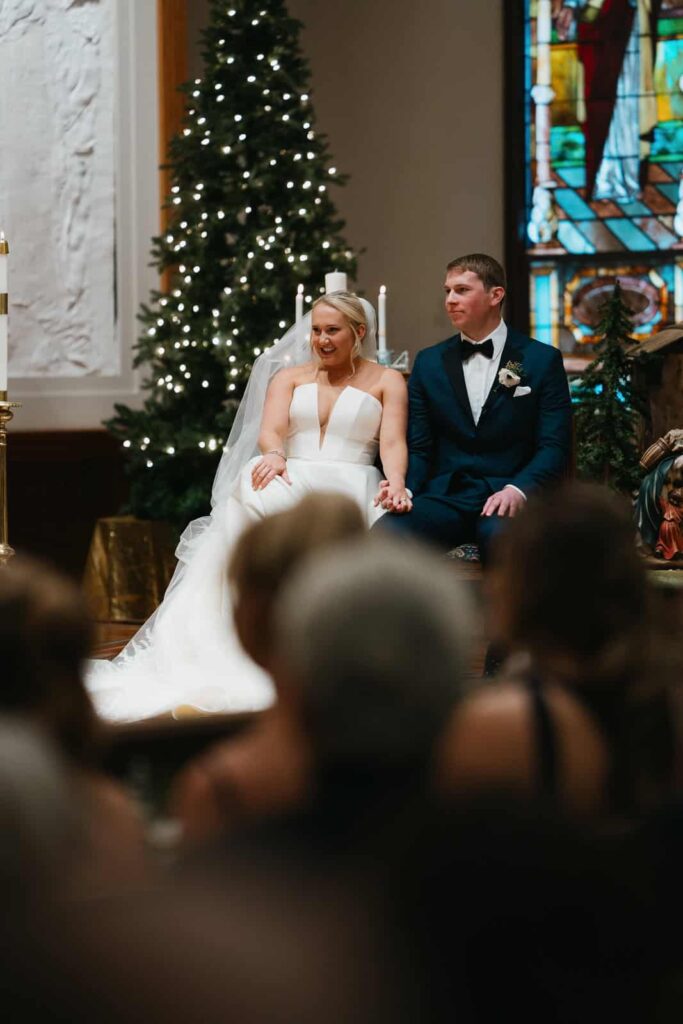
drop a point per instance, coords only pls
(490, 417)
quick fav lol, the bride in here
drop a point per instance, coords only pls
(318, 413)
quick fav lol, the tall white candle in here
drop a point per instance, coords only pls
(336, 281)
(4, 260)
(382, 320)
(299, 304)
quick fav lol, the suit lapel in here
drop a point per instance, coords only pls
(452, 360)
(511, 354)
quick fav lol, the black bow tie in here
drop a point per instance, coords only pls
(484, 348)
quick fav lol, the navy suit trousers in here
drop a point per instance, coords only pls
(446, 521)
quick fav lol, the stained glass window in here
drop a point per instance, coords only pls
(604, 139)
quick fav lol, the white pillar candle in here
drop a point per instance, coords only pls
(335, 281)
(299, 304)
(4, 260)
(382, 320)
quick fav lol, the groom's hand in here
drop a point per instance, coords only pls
(507, 502)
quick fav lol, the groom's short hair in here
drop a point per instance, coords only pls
(488, 270)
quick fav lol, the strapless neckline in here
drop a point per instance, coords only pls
(347, 387)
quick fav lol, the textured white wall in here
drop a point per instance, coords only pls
(57, 188)
(78, 199)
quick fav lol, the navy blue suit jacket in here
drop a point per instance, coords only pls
(525, 441)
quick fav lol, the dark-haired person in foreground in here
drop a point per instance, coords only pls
(490, 417)
(581, 716)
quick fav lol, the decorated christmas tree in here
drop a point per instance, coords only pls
(251, 219)
(607, 416)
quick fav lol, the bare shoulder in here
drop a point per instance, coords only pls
(392, 378)
(491, 741)
(393, 381)
(486, 738)
(290, 376)
(304, 373)
(499, 708)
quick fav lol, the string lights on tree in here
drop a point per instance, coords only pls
(251, 219)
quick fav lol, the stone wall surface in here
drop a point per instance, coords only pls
(57, 182)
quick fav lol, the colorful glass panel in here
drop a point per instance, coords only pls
(604, 124)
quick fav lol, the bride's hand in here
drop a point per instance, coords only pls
(381, 493)
(392, 498)
(267, 468)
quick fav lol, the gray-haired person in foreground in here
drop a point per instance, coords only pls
(373, 645)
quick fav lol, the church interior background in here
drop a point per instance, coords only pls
(590, 90)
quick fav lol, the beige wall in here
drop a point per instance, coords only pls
(410, 97)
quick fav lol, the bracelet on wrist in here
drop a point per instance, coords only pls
(276, 451)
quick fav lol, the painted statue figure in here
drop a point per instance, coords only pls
(659, 507)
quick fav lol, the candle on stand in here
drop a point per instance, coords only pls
(382, 323)
(4, 310)
(4, 250)
(299, 305)
(335, 281)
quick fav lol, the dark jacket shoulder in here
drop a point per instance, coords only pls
(431, 352)
(533, 346)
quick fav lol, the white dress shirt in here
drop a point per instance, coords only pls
(480, 373)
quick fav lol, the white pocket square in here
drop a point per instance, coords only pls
(521, 391)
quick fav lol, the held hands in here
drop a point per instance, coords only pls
(272, 464)
(507, 502)
(393, 498)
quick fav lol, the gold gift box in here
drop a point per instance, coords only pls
(129, 566)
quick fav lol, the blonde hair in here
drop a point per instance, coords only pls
(351, 308)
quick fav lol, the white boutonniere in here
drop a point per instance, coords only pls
(510, 376)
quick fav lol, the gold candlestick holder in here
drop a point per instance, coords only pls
(6, 415)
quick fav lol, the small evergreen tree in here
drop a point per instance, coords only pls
(606, 419)
(251, 219)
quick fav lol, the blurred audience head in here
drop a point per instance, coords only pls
(569, 586)
(37, 819)
(372, 640)
(268, 551)
(44, 638)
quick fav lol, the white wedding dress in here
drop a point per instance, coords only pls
(188, 653)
